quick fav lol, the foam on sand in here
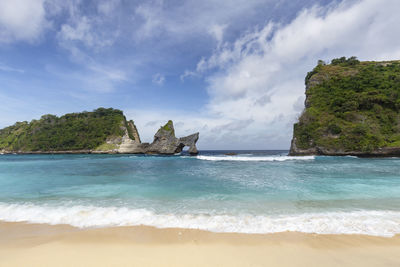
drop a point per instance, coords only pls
(377, 223)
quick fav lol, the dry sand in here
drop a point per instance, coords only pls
(44, 245)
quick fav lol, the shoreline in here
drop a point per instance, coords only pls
(378, 155)
(63, 245)
(79, 152)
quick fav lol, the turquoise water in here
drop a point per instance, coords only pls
(252, 192)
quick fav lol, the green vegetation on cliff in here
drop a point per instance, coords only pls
(351, 106)
(129, 128)
(169, 126)
(75, 131)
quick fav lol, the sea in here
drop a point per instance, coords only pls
(248, 192)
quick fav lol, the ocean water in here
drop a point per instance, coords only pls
(252, 192)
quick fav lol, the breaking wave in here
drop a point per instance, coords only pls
(254, 158)
(377, 223)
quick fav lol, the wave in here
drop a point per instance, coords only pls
(255, 158)
(377, 223)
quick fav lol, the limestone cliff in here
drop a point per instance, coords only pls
(351, 108)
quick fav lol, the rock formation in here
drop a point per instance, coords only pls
(351, 108)
(164, 143)
(102, 131)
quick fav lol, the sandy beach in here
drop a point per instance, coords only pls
(44, 245)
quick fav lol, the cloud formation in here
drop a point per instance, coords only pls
(181, 19)
(4, 67)
(22, 20)
(85, 35)
(259, 78)
(158, 79)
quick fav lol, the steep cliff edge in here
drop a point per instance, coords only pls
(100, 131)
(351, 108)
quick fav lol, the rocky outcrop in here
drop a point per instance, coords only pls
(295, 151)
(351, 108)
(165, 142)
(190, 141)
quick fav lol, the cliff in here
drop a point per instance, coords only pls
(351, 108)
(100, 131)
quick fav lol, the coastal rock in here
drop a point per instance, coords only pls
(345, 115)
(295, 151)
(165, 141)
(130, 146)
(190, 141)
(102, 131)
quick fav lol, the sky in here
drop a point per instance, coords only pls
(232, 70)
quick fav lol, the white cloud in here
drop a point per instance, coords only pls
(151, 13)
(87, 31)
(4, 67)
(102, 79)
(81, 31)
(192, 17)
(217, 31)
(86, 35)
(158, 79)
(92, 77)
(106, 7)
(22, 20)
(259, 78)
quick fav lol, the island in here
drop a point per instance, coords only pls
(351, 108)
(102, 131)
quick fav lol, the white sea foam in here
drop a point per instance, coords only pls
(255, 158)
(378, 223)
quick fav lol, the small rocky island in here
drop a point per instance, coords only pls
(351, 108)
(102, 131)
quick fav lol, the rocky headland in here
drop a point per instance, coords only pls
(351, 108)
(102, 131)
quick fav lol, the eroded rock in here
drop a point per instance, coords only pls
(165, 142)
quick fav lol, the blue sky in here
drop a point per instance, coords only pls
(232, 70)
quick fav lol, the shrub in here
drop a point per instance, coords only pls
(334, 129)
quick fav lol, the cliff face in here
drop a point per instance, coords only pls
(101, 131)
(351, 108)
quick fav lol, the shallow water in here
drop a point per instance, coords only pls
(252, 192)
